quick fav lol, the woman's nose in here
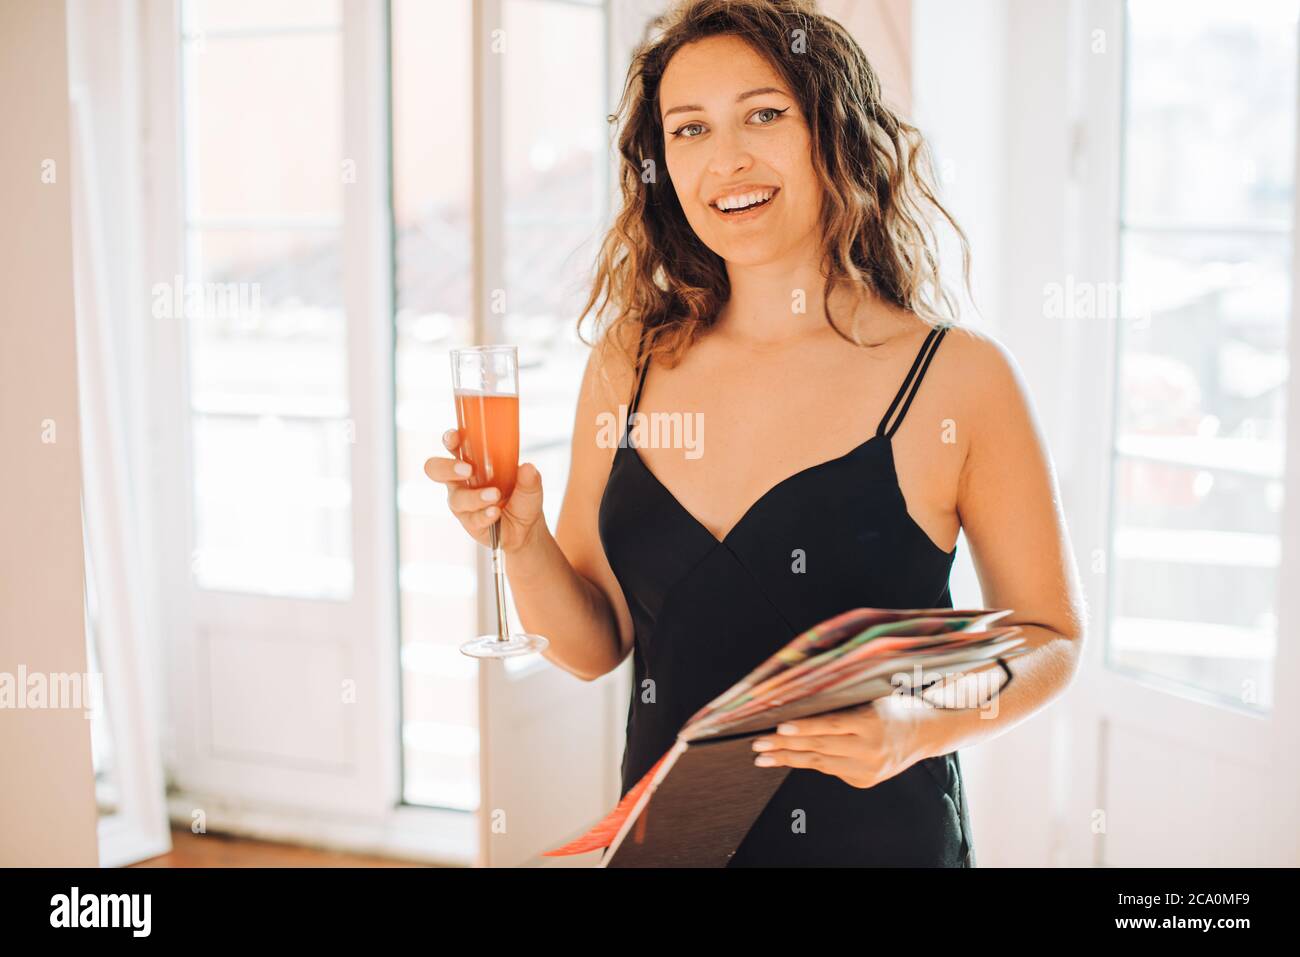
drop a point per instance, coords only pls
(730, 155)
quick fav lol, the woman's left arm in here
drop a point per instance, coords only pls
(1009, 506)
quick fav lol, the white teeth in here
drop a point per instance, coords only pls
(746, 199)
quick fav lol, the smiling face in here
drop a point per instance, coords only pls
(739, 153)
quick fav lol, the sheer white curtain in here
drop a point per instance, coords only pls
(122, 646)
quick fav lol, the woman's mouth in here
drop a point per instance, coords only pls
(744, 205)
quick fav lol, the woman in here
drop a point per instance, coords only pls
(774, 274)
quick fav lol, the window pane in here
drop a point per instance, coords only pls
(264, 118)
(1203, 371)
(556, 149)
(1210, 111)
(261, 296)
(555, 167)
(1204, 341)
(554, 155)
(267, 328)
(273, 506)
(1196, 554)
(215, 15)
(432, 138)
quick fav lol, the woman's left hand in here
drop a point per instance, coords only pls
(861, 746)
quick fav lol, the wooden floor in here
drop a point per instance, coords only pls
(223, 850)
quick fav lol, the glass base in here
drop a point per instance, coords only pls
(490, 646)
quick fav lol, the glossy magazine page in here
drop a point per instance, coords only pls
(848, 660)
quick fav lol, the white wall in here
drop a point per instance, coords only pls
(47, 808)
(959, 82)
(991, 93)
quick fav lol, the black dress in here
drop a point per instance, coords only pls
(706, 611)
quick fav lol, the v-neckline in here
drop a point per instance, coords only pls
(857, 449)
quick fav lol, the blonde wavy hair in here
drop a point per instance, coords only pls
(653, 274)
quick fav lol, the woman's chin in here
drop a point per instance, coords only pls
(759, 251)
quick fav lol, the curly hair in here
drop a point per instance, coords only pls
(653, 274)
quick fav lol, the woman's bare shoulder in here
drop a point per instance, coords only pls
(983, 373)
(976, 360)
(610, 375)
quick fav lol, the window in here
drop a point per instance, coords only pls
(432, 157)
(303, 125)
(262, 296)
(551, 164)
(1206, 244)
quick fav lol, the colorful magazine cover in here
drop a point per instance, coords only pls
(855, 648)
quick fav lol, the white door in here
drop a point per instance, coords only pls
(1180, 325)
(269, 264)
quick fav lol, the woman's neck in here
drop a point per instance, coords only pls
(782, 303)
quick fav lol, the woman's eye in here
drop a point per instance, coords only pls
(771, 114)
(766, 117)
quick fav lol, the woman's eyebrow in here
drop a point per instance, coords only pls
(692, 107)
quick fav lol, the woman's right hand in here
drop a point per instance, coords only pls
(521, 516)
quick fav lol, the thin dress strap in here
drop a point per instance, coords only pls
(643, 365)
(926, 352)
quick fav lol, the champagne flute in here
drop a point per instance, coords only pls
(485, 382)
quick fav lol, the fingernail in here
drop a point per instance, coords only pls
(785, 729)
(762, 746)
(489, 494)
(492, 512)
(446, 436)
(765, 761)
(463, 468)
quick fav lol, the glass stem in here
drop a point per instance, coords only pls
(498, 574)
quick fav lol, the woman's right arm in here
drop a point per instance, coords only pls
(562, 585)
